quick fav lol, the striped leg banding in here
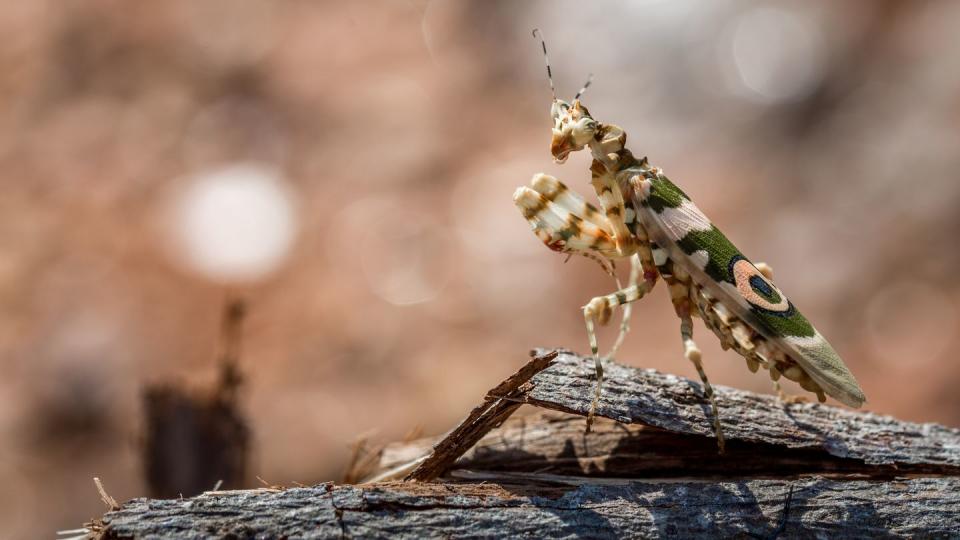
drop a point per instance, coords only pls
(561, 229)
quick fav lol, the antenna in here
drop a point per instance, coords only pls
(553, 91)
(585, 86)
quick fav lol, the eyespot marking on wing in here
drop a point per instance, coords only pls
(755, 289)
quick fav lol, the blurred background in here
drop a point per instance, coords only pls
(347, 168)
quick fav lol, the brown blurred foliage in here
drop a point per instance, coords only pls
(821, 137)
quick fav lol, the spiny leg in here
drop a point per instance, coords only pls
(628, 241)
(565, 202)
(692, 353)
(598, 310)
(788, 398)
(558, 200)
(557, 192)
(564, 222)
(635, 269)
(560, 227)
(611, 200)
(680, 295)
(781, 395)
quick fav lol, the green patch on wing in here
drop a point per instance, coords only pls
(722, 253)
(720, 250)
(664, 194)
(790, 323)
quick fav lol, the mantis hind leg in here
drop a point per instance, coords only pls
(692, 353)
(787, 398)
(681, 301)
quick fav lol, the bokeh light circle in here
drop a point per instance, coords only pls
(778, 56)
(233, 224)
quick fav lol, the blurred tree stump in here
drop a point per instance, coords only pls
(198, 440)
(650, 468)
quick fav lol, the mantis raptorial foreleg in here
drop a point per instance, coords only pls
(566, 223)
(598, 310)
(562, 220)
(629, 244)
(557, 192)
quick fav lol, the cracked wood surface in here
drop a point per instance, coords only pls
(676, 404)
(554, 442)
(765, 435)
(818, 507)
(649, 469)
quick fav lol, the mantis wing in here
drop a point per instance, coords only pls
(693, 242)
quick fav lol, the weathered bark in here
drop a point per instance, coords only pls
(510, 507)
(764, 435)
(676, 404)
(795, 470)
(555, 442)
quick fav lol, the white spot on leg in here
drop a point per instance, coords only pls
(691, 351)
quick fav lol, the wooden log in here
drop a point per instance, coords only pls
(554, 442)
(650, 468)
(509, 507)
(763, 433)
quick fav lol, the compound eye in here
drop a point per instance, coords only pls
(558, 109)
(587, 127)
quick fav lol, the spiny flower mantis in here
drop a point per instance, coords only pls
(647, 219)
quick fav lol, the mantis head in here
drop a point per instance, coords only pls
(573, 128)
